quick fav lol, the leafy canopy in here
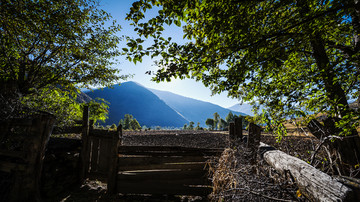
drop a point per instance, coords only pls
(294, 57)
(57, 43)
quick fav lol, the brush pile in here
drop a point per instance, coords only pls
(236, 179)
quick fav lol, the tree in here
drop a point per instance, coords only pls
(295, 58)
(216, 120)
(191, 125)
(129, 123)
(98, 110)
(210, 123)
(198, 126)
(60, 45)
(185, 127)
(134, 124)
(222, 125)
(113, 126)
(59, 103)
(230, 117)
(64, 106)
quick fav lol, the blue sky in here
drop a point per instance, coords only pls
(187, 87)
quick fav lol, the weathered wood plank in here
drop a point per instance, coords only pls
(133, 161)
(67, 130)
(18, 122)
(85, 150)
(94, 154)
(13, 154)
(313, 183)
(113, 162)
(167, 148)
(162, 188)
(168, 175)
(238, 129)
(104, 156)
(101, 133)
(168, 151)
(8, 167)
(180, 166)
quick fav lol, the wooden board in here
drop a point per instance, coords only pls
(8, 167)
(104, 156)
(180, 166)
(94, 154)
(67, 130)
(147, 160)
(168, 189)
(164, 174)
(167, 151)
(172, 182)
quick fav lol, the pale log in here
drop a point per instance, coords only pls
(313, 183)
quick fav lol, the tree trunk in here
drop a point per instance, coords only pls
(347, 148)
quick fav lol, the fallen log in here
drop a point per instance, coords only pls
(314, 184)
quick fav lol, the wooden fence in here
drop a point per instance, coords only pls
(146, 169)
(170, 170)
(164, 170)
(22, 148)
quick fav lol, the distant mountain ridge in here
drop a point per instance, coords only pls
(244, 108)
(155, 108)
(193, 109)
(146, 107)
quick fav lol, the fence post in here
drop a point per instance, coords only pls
(238, 129)
(253, 141)
(231, 133)
(84, 156)
(26, 181)
(114, 158)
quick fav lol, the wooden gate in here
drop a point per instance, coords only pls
(164, 170)
(169, 170)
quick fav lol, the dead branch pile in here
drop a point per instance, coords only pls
(236, 179)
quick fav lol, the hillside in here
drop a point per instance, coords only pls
(145, 106)
(194, 110)
(244, 108)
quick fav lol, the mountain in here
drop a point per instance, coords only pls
(83, 98)
(145, 106)
(245, 108)
(194, 110)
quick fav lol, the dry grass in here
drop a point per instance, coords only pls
(236, 179)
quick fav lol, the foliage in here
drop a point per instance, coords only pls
(98, 109)
(198, 126)
(113, 126)
(64, 106)
(57, 43)
(223, 125)
(191, 125)
(216, 120)
(230, 117)
(130, 123)
(210, 123)
(61, 45)
(293, 57)
(55, 101)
